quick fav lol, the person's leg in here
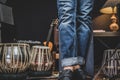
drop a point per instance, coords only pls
(84, 30)
(67, 32)
(67, 37)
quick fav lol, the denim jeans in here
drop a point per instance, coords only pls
(75, 32)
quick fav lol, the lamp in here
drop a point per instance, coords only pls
(110, 7)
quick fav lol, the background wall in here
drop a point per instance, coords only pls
(33, 17)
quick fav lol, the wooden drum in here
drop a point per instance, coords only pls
(41, 60)
(14, 58)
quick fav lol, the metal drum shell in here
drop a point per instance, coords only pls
(14, 57)
(111, 61)
(41, 58)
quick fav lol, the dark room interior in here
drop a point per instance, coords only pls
(30, 20)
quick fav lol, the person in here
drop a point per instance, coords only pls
(75, 39)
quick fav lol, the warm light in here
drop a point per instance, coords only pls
(114, 26)
(110, 8)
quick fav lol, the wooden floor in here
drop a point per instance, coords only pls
(101, 76)
(52, 77)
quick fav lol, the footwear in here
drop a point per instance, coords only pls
(79, 74)
(65, 75)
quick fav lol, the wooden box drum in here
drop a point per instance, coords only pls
(41, 61)
(111, 61)
(14, 59)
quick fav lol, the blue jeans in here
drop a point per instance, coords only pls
(75, 33)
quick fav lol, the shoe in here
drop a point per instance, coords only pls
(79, 74)
(65, 75)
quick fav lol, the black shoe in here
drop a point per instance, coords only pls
(65, 75)
(79, 74)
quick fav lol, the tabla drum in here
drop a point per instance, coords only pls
(41, 61)
(14, 60)
(111, 61)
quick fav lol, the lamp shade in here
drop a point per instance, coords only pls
(110, 6)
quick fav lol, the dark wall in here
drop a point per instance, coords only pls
(33, 17)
